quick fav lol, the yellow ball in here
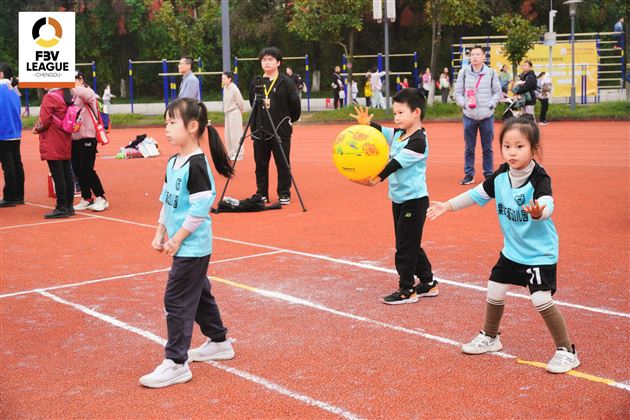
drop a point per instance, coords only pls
(360, 152)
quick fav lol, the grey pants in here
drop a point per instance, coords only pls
(187, 299)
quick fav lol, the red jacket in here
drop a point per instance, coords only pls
(54, 143)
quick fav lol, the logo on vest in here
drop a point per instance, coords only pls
(513, 215)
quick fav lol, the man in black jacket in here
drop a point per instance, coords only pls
(527, 84)
(281, 98)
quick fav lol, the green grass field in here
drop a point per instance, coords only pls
(450, 112)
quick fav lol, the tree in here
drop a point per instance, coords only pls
(337, 21)
(447, 13)
(521, 36)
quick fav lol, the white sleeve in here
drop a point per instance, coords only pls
(162, 218)
(461, 201)
(191, 223)
(547, 200)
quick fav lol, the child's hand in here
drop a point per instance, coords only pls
(158, 242)
(362, 116)
(438, 208)
(369, 182)
(171, 247)
(534, 209)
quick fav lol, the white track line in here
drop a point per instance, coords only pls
(271, 386)
(441, 280)
(125, 276)
(74, 219)
(372, 267)
(444, 340)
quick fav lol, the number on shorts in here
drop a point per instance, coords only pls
(535, 274)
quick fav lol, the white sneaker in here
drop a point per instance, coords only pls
(99, 204)
(83, 204)
(563, 361)
(166, 374)
(212, 351)
(482, 344)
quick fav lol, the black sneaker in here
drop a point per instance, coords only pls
(285, 200)
(427, 289)
(467, 180)
(5, 203)
(57, 214)
(400, 297)
(259, 197)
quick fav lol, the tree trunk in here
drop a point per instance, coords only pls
(349, 66)
(435, 45)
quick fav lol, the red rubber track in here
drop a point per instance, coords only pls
(324, 335)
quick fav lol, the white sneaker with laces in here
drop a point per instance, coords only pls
(212, 351)
(563, 361)
(166, 374)
(99, 204)
(83, 204)
(482, 344)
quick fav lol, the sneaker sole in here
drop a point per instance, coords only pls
(61, 216)
(476, 352)
(225, 355)
(466, 183)
(98, 210)
(401, 302)
(178, 380)
(551, 370)
(430, 293)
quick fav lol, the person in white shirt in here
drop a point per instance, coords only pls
(233, 107)
(378, 101)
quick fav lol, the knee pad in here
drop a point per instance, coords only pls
(542, 300)
(496, 292)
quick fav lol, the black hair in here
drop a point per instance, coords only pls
(6, 71)
(187, 60)
(413, 98)
(188, 110)
(529, 62)
(272, 51)
(478, 47)
(229, 75)
(542, 73)
(67, 96)
(526, 125)
(78, 75)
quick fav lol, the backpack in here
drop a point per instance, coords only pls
(72, 121)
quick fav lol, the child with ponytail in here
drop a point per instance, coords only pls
(184, 232)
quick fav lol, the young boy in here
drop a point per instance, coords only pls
(406, 171)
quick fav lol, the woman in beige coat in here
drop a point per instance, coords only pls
(233, 108)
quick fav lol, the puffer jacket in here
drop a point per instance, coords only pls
(54, 143)
(84, 96)
(528, 87)
(488, 92)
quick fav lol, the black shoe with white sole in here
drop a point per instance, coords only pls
(427, 289)
(400, 297)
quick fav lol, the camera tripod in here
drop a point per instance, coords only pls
(258, 104)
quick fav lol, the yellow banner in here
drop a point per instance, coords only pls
(585, 64)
